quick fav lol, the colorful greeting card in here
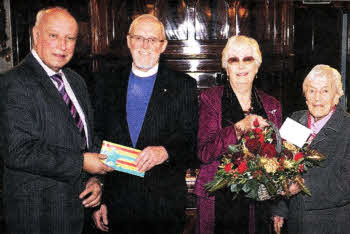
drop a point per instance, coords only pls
(121, 158)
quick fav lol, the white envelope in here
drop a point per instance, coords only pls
(294, 132)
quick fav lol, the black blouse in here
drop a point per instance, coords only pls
(232, 111)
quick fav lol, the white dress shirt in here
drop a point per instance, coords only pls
(69, 91)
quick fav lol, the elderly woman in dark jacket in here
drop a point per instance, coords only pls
(226, 112)
(328, 208)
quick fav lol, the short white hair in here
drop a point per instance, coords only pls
(238, 40)
(147, 16)
(330, 73)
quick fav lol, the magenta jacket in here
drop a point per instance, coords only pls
(212, 142)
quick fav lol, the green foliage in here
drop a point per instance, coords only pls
(244, 172)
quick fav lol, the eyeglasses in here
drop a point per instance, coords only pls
(246, 60)
(140, 39)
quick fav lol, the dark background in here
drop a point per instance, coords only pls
(294, 36)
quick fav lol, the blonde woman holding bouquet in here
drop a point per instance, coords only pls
(225, 113)
(327, 210)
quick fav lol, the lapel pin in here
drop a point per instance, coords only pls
(273, 111)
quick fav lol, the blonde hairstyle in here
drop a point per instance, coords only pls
(147, 16)
(322, 70)
(236, 41)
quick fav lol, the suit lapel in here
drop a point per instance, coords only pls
(41, 76)
(159, 90)
(330, 128)
(271, 114)
(303, 119)
(121, 97)
(45, 81)
(76, 90)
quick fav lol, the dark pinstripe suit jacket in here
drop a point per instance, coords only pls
(43, 164)
(170, 121)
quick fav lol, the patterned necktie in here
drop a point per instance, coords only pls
(69, 103)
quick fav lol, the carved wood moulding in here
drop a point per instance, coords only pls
(197, 30)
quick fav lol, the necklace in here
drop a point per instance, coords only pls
(249, 111)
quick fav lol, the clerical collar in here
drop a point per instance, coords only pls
(148, 73)
(48, 70)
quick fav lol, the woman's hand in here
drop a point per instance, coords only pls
(278, 223)
(248, 123)
(293, 188)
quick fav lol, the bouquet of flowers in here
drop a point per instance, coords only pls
(262, 165)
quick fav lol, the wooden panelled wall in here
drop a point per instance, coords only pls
(197, 31)
(293, 37)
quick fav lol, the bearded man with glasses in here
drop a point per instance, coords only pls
(150, 107)
(225, 113)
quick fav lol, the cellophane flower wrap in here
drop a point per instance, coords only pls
(262, 165)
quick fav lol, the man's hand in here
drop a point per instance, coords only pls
(150, 157)
(101, 219)
(94, 165)
(94, 188)
(278, 223)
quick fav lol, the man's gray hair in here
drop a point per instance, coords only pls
(147, 16)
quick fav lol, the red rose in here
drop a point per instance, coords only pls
(253, 145)
(237, 158)
(261, 139)
(301, 168)
(256, 123)
(298, 156)
(228, 167)
(242, 167)
(258, 131)
(268, 150)
(281, 160)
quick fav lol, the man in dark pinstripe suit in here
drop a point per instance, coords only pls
(147, 106)
(48, 126)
